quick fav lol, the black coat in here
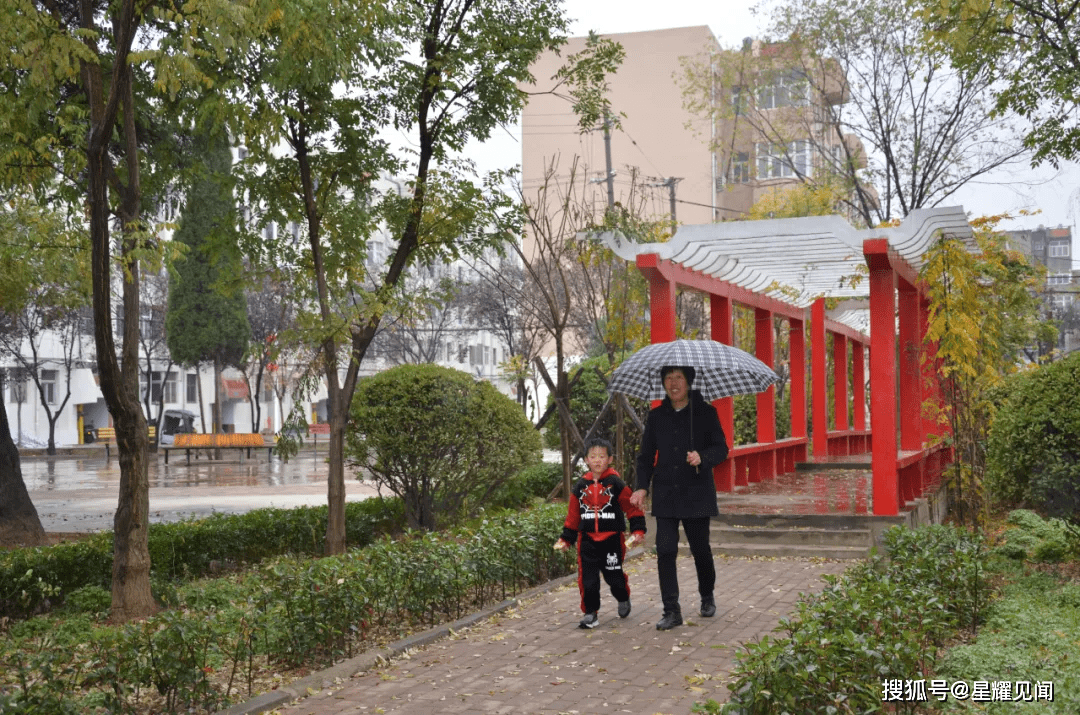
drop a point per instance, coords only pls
(678, 489)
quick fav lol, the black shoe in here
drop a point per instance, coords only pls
(624, 608)
(708, 607)
(669, 621)
(589, 621)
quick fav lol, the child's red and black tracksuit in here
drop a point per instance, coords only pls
(599, 509)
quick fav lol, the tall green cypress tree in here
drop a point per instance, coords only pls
(207, 318)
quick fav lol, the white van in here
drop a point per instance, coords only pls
(174, 422)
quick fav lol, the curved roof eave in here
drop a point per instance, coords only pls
(795, 259)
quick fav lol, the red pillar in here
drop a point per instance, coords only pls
(911, 393)
(818, 383)
(797, 388)
(661, 308)
(840, 391)
(766, 401)
(886, 485)
(858, 387)
(720, 317)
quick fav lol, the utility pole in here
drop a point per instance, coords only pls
(609, 175)
(670, 183)
(610, 178)
(607, 158)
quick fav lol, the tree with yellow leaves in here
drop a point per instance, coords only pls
(984, 312)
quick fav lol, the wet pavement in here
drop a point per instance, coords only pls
(820, 491)
(534, 658)
(74, 494)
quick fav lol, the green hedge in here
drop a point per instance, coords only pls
(292, 610)
(36, 579)
(1033, 447)
(885, 618)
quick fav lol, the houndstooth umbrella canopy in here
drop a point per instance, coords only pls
(720, 370)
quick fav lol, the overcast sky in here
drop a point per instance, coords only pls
(1056, 194)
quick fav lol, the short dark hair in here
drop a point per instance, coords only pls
(599, 442)
(687, 371)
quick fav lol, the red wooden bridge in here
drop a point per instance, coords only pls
(796, 269)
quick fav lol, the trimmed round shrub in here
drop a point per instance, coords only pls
(1033, 448)
(438, 439)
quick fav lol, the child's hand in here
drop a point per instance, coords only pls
(635, 539)
(561, 545)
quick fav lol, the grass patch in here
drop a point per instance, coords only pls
(1032, 630)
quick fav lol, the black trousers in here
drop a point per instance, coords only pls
(596, 558)
(667, 550)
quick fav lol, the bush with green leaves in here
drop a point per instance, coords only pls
(586, 400)
(291, 610)
(885, 618)
(533, 482)
(1033, 447)
(1030, 537)
(36, 579)
(438, 439)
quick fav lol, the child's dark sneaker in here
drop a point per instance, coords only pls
(624, 608)
(589, 621)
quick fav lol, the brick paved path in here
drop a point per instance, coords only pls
(533, 659)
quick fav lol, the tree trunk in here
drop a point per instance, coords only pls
(198, 390)
(131, 594)
(19, 521)
(219, 428)
(335, 483)
(562, 392)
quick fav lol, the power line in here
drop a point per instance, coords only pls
(632, 141)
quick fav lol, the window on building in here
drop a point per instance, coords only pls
(16, 386)
(739, 100)
(1059, 250)
(487, 355)
(155, 385)
(740, 167)
(787, 89)
(192, 388)
(1062, 300)
(780, 161)
(267, 389)
(48, 385)
(1059, 279)
(170, 387)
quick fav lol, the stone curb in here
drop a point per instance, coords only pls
(367, 660)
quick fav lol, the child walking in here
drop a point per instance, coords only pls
(599, 508)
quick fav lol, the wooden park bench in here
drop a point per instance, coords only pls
(243, 441)
(108, 436)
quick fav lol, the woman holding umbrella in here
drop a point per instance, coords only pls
(683, 441)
